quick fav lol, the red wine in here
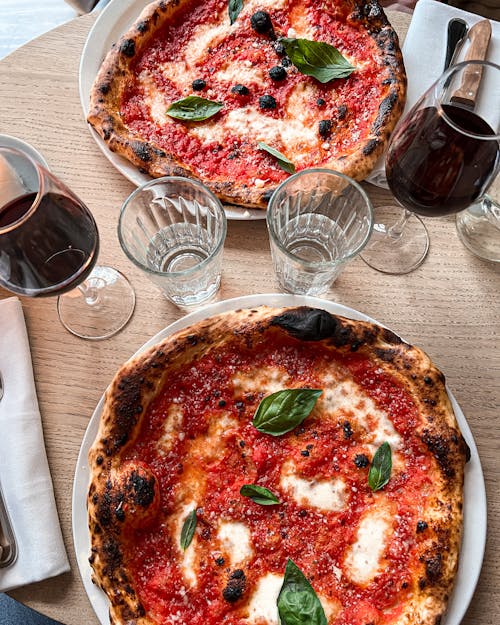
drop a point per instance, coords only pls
(432, 169)
(49, 249)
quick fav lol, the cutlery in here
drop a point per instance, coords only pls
(8, 550)
(457, 30)
(479, 37)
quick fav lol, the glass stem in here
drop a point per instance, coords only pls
(395, 232)
(91, 292)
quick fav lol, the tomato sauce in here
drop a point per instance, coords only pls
(320, 448)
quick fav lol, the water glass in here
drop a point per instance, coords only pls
(318, 220)
(174, 228)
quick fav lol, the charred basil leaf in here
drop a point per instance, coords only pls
(194, 109)
(381, 467)
(298, 603)
(234, 9)
(283, 162)
(317, 59)
(188, 529)
(259, 494)
(282, 411)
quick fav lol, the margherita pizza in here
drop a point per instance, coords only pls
(241, 93)
(271, 466)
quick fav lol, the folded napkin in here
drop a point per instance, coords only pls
(424, 52)
(24, 471)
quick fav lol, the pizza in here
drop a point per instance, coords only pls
(240, 94)
(277, 465)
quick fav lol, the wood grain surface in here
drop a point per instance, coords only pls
(449, 307)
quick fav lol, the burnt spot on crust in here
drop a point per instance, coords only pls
(104, 87)
(307, 324)
(434, 567)
(386, 106)
(127, 47)
(235, 586)
(128, 408)
(113, 556)
(445, 449)
(143, 26)
(370, 147)
(141, 489)
(142, 150)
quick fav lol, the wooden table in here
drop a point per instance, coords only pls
(449, 307)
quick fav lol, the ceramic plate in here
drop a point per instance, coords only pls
(474, 537)
(114, 20)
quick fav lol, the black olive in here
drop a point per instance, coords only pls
(325, 128)
(267, 102)
(198, 84)
(277, 73)
(240, 90)
(279, 48)
(361, 461)
(261, 22)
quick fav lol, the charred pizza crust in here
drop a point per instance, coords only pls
(126, 495)
(117, 75)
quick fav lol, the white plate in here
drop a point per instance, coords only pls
(114, 20)
(474, 537)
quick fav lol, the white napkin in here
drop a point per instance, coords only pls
(424, 53)
(24, 471)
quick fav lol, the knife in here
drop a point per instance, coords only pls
(479, 37)
(457, 30)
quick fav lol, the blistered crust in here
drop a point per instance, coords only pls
(125, 495)
(116, 75)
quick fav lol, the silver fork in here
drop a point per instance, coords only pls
(8, 549)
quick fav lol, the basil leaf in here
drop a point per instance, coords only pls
(188, 529)
(234, 9)
(259, 494)
(193, 108)
(317, 59)
(282, 411)
(298, 604)
(380, 469)
(283, 162)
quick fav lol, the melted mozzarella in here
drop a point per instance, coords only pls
(236, 541)
(268, 380)
(262, 606)
(171, 429)
(322, 494)
(364, 557)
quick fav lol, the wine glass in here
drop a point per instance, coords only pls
(442, 157)
(48, 246)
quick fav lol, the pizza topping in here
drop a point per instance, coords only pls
(282, 160)
(325, 127)
(282, 411)
(278, 72)
(240, 90)
(235, 586)
(259, 494)
(193, 108)
(234, 9)
(261, 23)
(188, 529)
(267, 102)
(421, 526)
(198, 84)
(361, 461)
(297, 600)
(380, 470)
(317, 59)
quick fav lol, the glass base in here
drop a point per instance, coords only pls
(100, 307)
(396, 246)
(478, 228)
